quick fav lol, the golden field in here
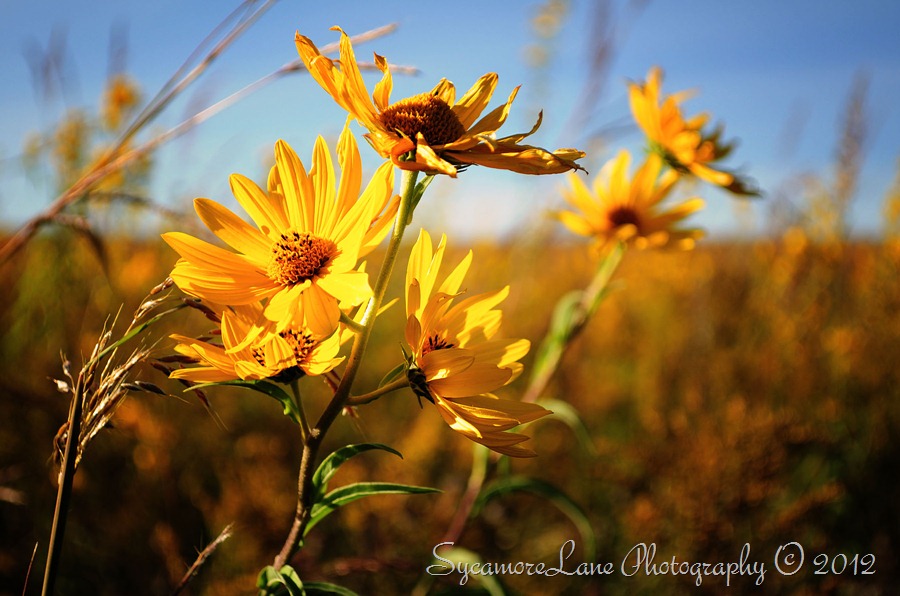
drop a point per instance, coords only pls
(743, 392)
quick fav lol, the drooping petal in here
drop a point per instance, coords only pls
(472, 104)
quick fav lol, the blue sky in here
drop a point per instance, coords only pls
(766, 69)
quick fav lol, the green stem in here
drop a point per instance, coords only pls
(298, 408)
(587, 305)
(358, 400)
(350, 323)
(409, 195)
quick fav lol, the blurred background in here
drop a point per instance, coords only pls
(746, 391)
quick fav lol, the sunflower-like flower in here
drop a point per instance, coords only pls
(618, 209)
(431, 132)
(252, 349)
(456, 359)
(301, 257)
(682, 143)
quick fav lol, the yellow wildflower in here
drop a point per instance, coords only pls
(301, 258)
(456, 358)
(682, 143)
(253, 349)
(431, 132)
(617, 209)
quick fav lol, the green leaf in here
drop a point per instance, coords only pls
(565, 412)
(330, 464)
(540, 488)
(352, 492)
(562, 322)
(393, 374)
(264, 387)
(283, 582)
(314, 588)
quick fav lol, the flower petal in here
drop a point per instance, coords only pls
(234, 231)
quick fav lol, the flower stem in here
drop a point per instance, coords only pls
(409, 195)
(298, 403)
(358, 400)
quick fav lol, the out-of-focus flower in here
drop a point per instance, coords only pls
(302, 255)
(682, 143)
(120, 98)
(431, 132)
(618, 209)
(455, 357)
(253, 349)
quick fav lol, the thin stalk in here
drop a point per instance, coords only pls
(64, 492)
(358, 400)
(298, 403)
(587, 304)
(408, 196)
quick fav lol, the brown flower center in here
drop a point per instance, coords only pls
(426, 114)
(622, 216)
(301, 343)
(435, 342)
(299, 256)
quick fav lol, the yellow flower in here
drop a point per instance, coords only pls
(252, 349)
(120, 98)
(431, 132)
(302, 255)
(456, 359)
(617, 209)
(682, 143)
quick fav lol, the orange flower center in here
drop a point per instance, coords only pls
(299, 256)
(426, 114)
(622, 216)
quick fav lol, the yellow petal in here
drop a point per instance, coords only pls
(382, 93)
(478, 378)
(350, 288)
(298, 190)
(439, 364)
(320, 310)
(472, 104)
(266, 212)
(234, 231)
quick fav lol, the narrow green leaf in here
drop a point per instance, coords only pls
(565, 412)
(352, 492)
(264, 387)
(330, 464)
(393, 374)
(283, 582)
(540, 488)
(558, 335)
(315, 588)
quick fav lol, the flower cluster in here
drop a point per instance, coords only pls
(619, 208)
(283, 290)
(286, 289)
